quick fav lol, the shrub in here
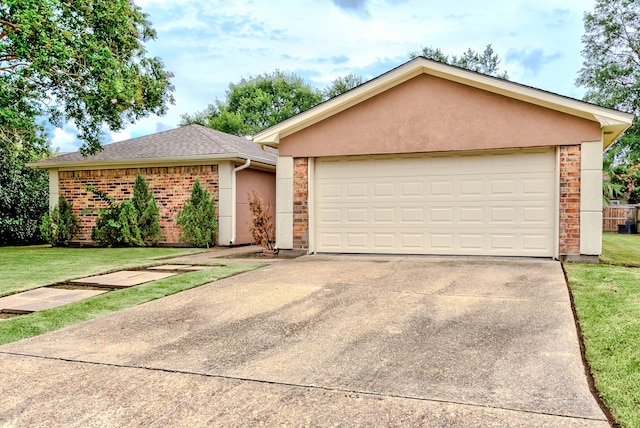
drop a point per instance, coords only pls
(146, 209)
(133, 223)
(197, 219)
(61, 225)
(263, 230)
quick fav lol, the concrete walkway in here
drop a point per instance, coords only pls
(319, 340)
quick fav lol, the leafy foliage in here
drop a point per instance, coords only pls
(133, 223)
(342, 85)
(198, 218)
(24, 192)
(625, 183)
(263, 230)
(146, 210)
(611, 67)
(79, 61)
(256, 103)
(61, 225)
(486, 62)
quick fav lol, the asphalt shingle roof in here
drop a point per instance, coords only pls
(188, 142)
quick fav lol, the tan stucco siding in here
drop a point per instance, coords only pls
(249, 180)
(430, 114)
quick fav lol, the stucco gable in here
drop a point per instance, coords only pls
(432, 114)
(612, 123)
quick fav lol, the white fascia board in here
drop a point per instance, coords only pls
(144, 162)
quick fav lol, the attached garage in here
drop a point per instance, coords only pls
(434, 159)
(496, 203)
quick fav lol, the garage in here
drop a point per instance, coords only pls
(430, 158)
(496, 203)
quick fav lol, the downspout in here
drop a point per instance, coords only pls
(234, 197)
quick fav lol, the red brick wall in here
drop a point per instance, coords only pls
(300, 203)
(569, 200)
(171, 187)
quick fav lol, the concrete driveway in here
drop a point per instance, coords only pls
(320, 340)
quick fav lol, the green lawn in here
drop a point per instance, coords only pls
(607, 301)
(53, 319)
(24, 268)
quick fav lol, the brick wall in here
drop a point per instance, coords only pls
(569, 200)
(171, 187)
(300, 203)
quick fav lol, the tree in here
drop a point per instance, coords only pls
(256, 103)
(61, 225)
(24, 192)
(80, 61)
(263, 230)
(486, 62)
(611, 67)
(147, 212)
(342, 85)
(198, 218)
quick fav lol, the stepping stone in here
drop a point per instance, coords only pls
(194, 268)
(123, 279)
(44, 298)
(167, 267)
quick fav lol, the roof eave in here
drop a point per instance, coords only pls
(146, 162)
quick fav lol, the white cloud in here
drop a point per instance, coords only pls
(208, 44)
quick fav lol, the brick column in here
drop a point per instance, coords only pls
(569, 200)
(300, 203)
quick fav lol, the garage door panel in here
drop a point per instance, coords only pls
(499, 204)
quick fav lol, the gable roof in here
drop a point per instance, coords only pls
(187, 144)
(612, 122)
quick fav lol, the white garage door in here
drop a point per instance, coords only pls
(499, 203)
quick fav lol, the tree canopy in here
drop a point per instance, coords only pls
(256, 103)
(341, 85)
(486, 62)
(611, 67)
(80, 61)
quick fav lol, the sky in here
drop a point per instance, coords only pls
(208, 44)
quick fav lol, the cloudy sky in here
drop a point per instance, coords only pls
(209, 43)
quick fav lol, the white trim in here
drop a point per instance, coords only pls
(311, 218)
(54, 188)
(148, 162)
(225, 192)
(556, 219)
(234, 198)
(284, 203)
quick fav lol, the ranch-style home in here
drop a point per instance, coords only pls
(434, 159)
(228, 167)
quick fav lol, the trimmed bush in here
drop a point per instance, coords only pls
(61, 225)
(197, 219)
(132, 223)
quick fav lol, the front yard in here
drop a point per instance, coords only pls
(25, 268)
(607, 301)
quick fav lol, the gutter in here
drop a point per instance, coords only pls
(234, 197)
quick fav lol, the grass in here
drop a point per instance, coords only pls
(24, 268)
(45, 321)
(607, 302)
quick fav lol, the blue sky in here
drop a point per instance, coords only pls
(209, 43)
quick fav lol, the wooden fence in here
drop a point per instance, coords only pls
(614, 215)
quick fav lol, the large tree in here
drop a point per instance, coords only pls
(485, 62)
(79, 61)
(256, 103)
(611, 67)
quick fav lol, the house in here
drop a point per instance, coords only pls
(434, 159)
(228, 167)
